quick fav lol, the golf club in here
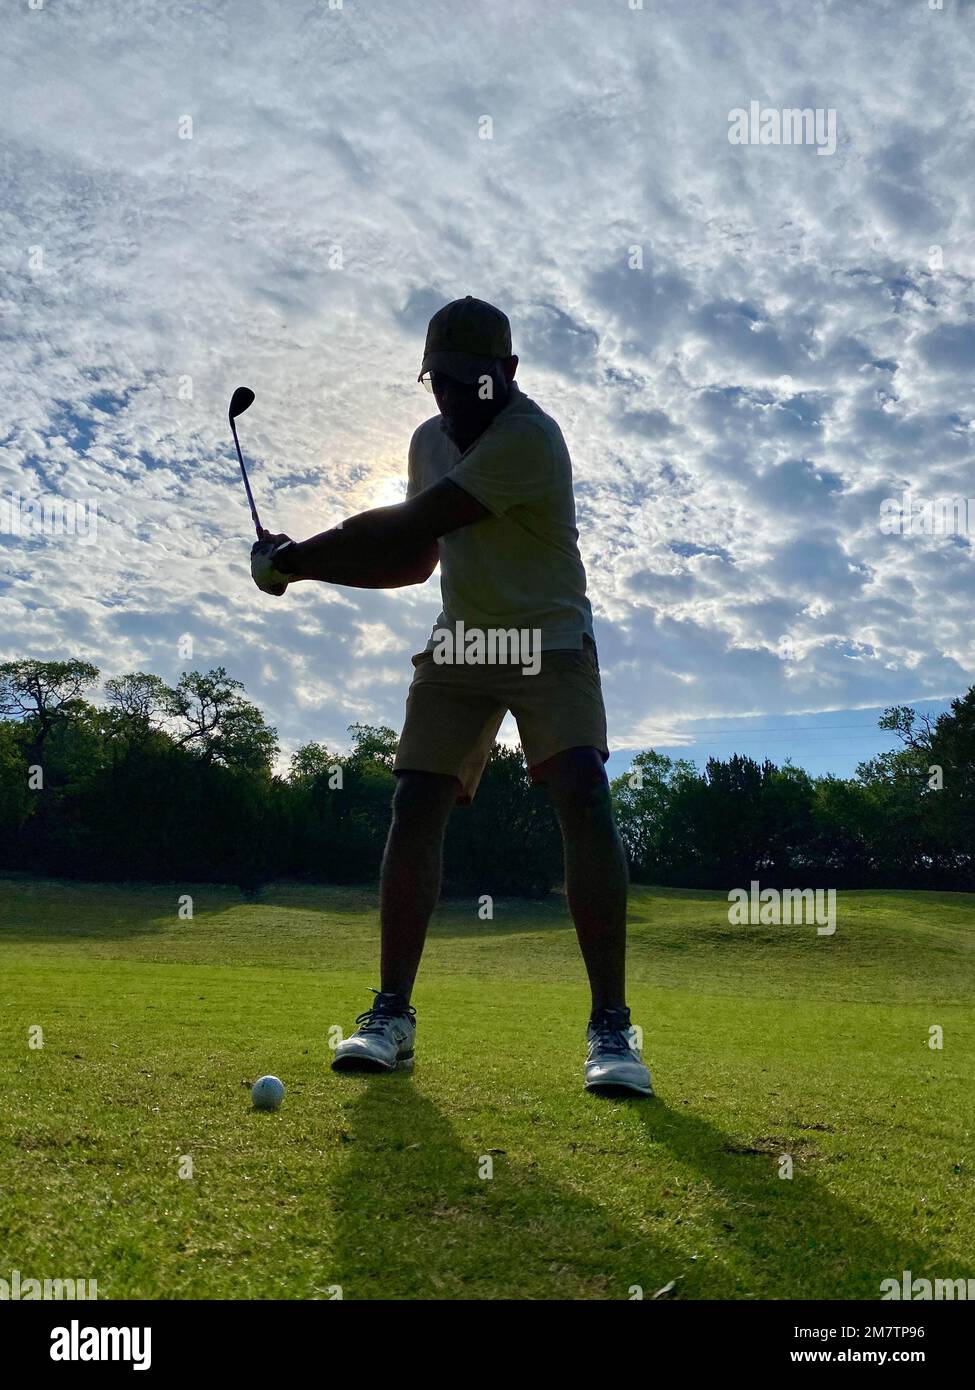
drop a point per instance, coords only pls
(241, 400)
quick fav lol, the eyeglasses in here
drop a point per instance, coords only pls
(439, 381)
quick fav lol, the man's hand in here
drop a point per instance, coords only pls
(265, 576)
(386, 548)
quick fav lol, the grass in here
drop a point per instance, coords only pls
(763, 1041)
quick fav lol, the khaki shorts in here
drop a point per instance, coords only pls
(453, 713)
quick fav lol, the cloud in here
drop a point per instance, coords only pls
(198, 197)
(950, 347)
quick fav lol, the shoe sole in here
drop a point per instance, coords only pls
(614, 1089)
(369, 1064)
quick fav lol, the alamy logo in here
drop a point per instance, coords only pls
(908, 515)
(49, 516)
(18, 1289)
(77, 1343)
(493, 646)
(922, 1290)
(789, 125)
(767, 907)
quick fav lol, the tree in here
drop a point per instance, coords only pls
(786, 825)
(42, 694)
(14, 795)
(360, 810)
(729, 821)
(949, 809)
(175, 784)
(373, 743)
(142, 700)
(309, 761)
(928, 787)
(642, 799)
(212, 717)
(507, 841)
(843, 832)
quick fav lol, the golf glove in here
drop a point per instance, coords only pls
(268, 579)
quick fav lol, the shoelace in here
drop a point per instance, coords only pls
(607, 1039)
(374, 1020)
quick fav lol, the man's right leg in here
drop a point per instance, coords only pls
(412, 866)
(385, 1036)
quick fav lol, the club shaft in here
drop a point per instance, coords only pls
(243, 471)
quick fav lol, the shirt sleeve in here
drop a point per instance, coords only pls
(507, 468)
(414, 483)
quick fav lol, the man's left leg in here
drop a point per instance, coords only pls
(595, 885)
(595, 868)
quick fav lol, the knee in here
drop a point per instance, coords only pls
(582, 793)
(585, 800)
(422, 798)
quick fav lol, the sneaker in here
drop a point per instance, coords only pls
(613, 1062)
(383, 1040)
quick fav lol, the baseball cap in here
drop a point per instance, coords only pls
(464, 337)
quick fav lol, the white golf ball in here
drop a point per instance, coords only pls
(267, 1093)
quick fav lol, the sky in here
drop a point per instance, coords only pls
(749, 347)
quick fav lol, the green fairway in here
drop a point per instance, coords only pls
(763, 1041)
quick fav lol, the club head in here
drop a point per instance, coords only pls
(241, 400)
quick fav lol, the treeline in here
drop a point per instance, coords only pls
(177, 784)
(906, 820)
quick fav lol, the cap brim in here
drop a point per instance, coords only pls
(460, 365)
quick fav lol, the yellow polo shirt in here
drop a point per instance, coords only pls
(521, 566)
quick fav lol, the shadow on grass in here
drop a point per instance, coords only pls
(791, 1237)
(415, 1220)
(457, 919)
(50, 909)
(34, 910)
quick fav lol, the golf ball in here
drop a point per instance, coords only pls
(267, 1093)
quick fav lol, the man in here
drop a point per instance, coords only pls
(489, 497)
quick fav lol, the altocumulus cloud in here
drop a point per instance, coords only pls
(748, 347)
